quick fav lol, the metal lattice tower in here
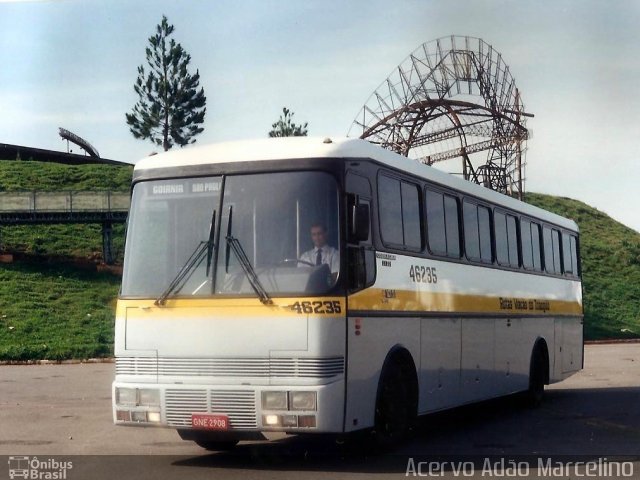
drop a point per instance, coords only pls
(453, 97)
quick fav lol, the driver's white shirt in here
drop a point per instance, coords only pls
(329, 255)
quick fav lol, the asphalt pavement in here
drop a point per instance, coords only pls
(60, 413)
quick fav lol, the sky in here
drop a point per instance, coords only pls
(73, 63)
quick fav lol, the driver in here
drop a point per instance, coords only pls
(321, 252)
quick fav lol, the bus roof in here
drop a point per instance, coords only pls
(347, 148)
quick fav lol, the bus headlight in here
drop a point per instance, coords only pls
(148, 397)
(153, 417)
(138, 397)
(274, 400)
(126, 396)
(303, 400)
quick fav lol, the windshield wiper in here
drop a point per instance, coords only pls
(245, 263)
(191, 264)
(248, 269)
(210, 243)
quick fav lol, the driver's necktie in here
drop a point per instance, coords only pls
(319, 257)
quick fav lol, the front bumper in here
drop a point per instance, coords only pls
(241, 404)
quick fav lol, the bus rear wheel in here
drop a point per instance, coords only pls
(396, 405)
(538, 372)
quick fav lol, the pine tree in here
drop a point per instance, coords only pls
(170, 108)
(285, 127)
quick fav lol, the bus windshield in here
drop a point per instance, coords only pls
(277, 224)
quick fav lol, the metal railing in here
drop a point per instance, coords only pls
(64, 201)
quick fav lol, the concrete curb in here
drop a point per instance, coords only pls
(612, 342)
(57, 362)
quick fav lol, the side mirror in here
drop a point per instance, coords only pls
(360, 222)
(361, 262)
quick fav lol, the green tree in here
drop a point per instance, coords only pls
(171, 106)
(285, 127)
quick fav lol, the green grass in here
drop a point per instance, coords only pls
(83, 241)
(610, 255)
(27, 175)
(55, 312)
(70, 240)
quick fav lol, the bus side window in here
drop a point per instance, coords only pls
(526, 246)
(555, 235)
(484, 228)
(443, 227)
(567, 258)
(574, 255)
(512, 233)
(471, 236)
(436, 236)
(535, 245)
(411, 226)
(477, 232)
(452, 226)
(390, 208)
(399, 206)
(502, 246)
(548, 249)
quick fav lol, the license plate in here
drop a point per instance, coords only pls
(207, 421)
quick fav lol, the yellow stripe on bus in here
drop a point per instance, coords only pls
(376, 299)
(239, 307)
(371, 299)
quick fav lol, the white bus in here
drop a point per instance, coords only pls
(429, 292)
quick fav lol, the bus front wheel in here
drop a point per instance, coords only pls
(396, 404)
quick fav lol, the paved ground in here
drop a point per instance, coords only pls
(60, 410)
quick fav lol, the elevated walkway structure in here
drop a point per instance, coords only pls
(101, 207)
(21, 152)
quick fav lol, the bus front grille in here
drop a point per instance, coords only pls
(136, 366)
(295, 367)
(238, 405)
(306, 367)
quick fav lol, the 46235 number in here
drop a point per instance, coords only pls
(317, 307)
(422, 274)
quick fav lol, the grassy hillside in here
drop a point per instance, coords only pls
(57, 311)
(25, 175)
(610, 254)
(73, 240)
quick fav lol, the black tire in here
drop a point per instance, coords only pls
(216, 445)
(537, 377)
(396, 405)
